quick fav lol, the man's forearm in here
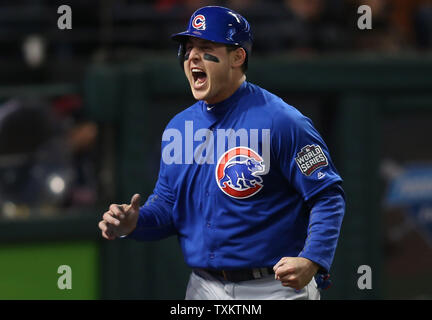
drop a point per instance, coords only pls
(326, 215)
(154, 222)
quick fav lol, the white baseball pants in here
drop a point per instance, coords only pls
(203, 286)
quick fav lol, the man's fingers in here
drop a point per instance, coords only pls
(289, 278)
(291, 284)
(110, 219)
(287, 283)
(102, 225)
(295, 284)
(284, 271)
(283, 268)
(105, 227)
(107, 232)
(117, 210)
(277, 265)
(135, 202)
(292, 281)
(109, 235)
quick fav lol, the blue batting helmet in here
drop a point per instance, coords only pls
(217, 24)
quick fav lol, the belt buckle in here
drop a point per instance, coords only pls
(256, 273)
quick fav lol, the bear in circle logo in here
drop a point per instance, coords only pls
(238, 172)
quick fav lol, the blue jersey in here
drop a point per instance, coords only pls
(237, 184)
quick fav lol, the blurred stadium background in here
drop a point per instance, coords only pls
(82, 113)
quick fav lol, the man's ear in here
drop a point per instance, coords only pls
(238, 57)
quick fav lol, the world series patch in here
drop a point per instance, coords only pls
(311, 158)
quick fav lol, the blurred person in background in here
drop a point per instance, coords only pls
(386, 34)
(268, 15)
(188, 5)
(314, 25)
(301, 26)
(80, 135)
(25, 127)
(180, 10)
(46, 157)
(412, 20)
(423, 25)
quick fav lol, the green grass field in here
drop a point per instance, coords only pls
(29, 271)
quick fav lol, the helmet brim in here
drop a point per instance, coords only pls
(183, 36)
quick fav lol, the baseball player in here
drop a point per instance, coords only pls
(246, 183)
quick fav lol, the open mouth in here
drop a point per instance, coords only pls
(199, 77)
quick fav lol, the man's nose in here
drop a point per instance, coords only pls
(194, 54)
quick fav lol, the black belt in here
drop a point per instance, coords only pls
(240, 274)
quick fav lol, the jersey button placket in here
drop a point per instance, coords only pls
(209, 226)
(211, 253)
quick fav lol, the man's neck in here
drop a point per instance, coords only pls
(234, 87)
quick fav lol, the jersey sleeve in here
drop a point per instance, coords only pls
(305, 162)
(302, 154)
(155, 216)
(327, 210)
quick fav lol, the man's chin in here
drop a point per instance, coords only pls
(199, 95)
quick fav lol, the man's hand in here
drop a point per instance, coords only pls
(295, 272)
(120, 220)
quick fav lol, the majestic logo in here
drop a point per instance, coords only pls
(321, 175)
(311, 158)
(238, 172)
(199, 22)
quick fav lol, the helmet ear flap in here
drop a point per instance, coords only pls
(181, 54)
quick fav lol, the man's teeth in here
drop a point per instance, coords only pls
(195, 70)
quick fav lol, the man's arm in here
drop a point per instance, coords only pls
(120, 220)
(152, 221)
(327, 211)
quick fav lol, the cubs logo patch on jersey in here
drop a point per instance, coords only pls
(238, 172)
(311, 158)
